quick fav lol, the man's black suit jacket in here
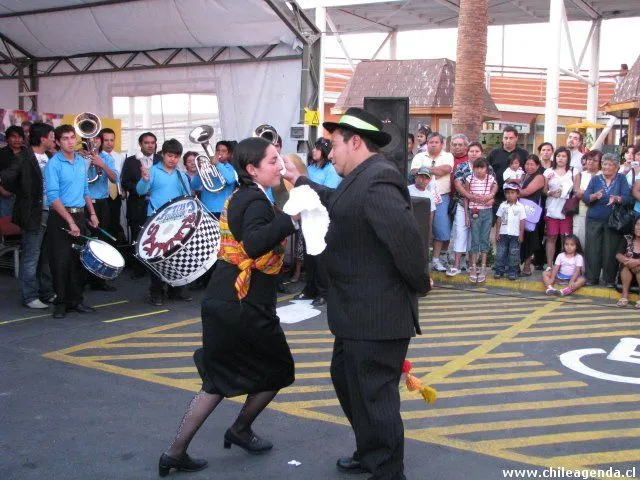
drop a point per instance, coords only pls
(375, 258)
(24, 179)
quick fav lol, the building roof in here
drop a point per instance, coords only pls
(627, 95)
(429, 84)
(519, 88)
(398, 15)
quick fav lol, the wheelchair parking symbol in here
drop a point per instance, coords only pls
(625, 351)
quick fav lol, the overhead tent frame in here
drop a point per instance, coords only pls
(19, 64)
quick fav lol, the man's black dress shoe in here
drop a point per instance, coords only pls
(250, 441)
(303, 296)
(349, 465)
(319, 301)
(184, 464)
(156, 300)
(59, 311)
(82, 308)
(283, 289)
(104, 286)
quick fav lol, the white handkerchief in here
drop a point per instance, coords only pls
(314, 217)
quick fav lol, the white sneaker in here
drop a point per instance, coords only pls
(452, 272)
(37, 304)
(437, 265)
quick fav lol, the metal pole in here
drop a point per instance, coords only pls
(393, 46)
(594, 74)
(321, 23)
(553, 72)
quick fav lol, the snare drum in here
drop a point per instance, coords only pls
(101, 259)
(180, 242)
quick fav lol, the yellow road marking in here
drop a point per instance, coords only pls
(619, 333)
(522, 406)
(486, 347)
(533, 423)
(592, 326)
(22, 319)
(135, 316)
(580, 436)
(137, 356)
(170, 370)
(466, 325)
(497, 376)
(485, 311)
(621, 316)
(596, 458)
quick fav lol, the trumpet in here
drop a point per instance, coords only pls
(209, 174)
(87, 126)
(268, 133)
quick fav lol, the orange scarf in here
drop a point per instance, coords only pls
(233, 252)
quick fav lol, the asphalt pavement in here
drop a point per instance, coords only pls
(525, 382)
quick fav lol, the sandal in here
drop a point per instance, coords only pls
(473, 277)
(637, 305)
(623, 302)
(483, 275)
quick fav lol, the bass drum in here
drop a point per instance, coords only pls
(180, 242)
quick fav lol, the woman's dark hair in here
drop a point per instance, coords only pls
(172, 146)
(515, 155)
(534, 158)
(249, 151)
(324, 147)
(626, 148)
(544, 144)
(187, 155)
(554, 162)
(594, 154)
(476, 144)
(575, 240)
(635, 222)
(480, 163)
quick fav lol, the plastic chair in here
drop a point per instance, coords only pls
(11, 247)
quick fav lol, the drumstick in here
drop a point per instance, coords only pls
(80, 235)
(107, 234)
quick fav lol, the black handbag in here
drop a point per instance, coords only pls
(621, 217)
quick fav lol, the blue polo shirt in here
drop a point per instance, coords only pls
(326, 175)
(162, 186)
(100, 188)
(66, 181)
(215, 201)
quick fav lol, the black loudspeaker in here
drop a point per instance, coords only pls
(394, 113)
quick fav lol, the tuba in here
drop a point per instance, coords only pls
(268, 133)
(209, 174)
(87, 126)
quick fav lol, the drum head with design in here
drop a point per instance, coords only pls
(168, 230)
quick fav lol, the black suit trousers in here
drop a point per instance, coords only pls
(365, 375)
(66, 269)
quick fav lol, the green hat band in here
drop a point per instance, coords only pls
(358, 123)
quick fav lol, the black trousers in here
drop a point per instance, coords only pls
(101, 208)
(66, 270)
(114, 227)
(365, 375)
(136, 217)
(317, 276)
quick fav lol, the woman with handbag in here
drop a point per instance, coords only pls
(532, 186)
(591, 161)
(607, 196)
(558, 187)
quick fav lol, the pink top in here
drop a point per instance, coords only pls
(568, 265)
(480, 187)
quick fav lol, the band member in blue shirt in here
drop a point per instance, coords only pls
(67, 192)
(104, 167)
(163, 182)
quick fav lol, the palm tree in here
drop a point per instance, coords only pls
(471, 53)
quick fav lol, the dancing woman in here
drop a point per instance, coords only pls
(244, 348)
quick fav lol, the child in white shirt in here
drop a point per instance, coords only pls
(509, 233)
(568, 268)
(514, 173)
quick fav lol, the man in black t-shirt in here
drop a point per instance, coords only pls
(499, 159)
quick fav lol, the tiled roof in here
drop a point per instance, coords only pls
(429, 83)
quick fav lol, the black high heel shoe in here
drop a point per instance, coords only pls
(185, 464)
(254, 444)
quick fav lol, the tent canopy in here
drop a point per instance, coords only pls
(398, 15)
(71, 27)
